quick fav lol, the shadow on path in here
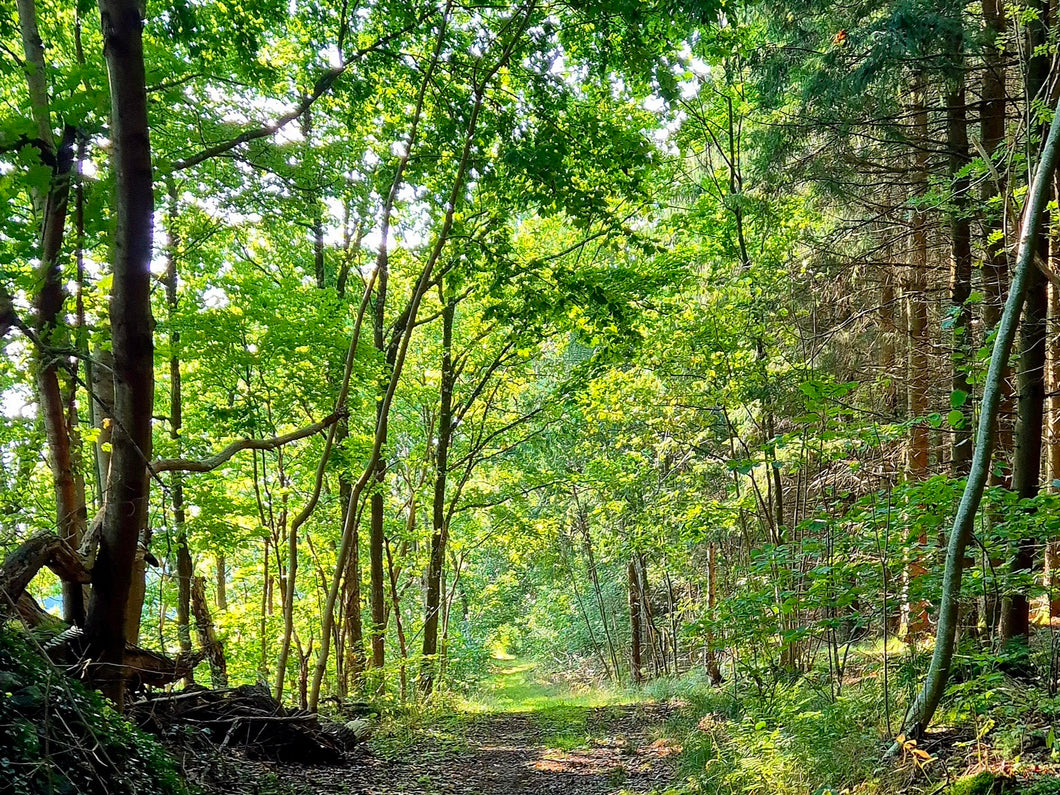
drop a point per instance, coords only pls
(566, 750)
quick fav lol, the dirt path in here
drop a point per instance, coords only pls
(568, 751)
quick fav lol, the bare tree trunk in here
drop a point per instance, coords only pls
(914, 617)
(208, 641)
(377, 592)
(995, 261)
(960, 263)
(131, 342)
(924, 705)
(49, 297)
(221, 582)
(439, 525)
(185, 566)
(635, 627)
(1051, 608)
(1027, 461)
(377, 501)
(355, 660)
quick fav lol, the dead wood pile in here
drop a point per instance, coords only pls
(245, 718)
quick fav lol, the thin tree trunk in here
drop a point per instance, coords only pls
(914, 617)
(396, 601)
(635, 625)
(185, 566)
(221, 581)
(995, 260)
(1030, 380)
(49, 297)
(439, 525)
(377, 542)
(355, 659)
(960, 264)
(1052, 463)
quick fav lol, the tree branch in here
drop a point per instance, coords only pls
(214, 461)
(322, 85)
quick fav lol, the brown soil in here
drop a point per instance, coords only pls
(625, 750)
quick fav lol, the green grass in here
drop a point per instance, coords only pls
(515, 685)
(561, 712)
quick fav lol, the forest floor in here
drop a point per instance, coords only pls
(520, 735)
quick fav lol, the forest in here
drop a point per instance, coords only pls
(573, 396)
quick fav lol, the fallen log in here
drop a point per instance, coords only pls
(64, 645)
(247, 718)
(148, 668)
(23, 563)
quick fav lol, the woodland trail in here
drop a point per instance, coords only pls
(547, 746)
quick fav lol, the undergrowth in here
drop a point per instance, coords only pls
(58, 737)
(998, 731)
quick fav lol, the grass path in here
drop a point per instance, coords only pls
(514, 685)
(519, 735)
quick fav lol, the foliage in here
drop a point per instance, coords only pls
(58, 736)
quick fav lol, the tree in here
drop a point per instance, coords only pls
(131, 342)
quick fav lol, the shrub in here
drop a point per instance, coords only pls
(56, 736)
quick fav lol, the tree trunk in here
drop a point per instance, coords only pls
(131, 343)
(355, 660)
(403, 648)
(914, 617)
(208, 641)
(221, 580)
(376, 552)
(1030, 381)
(377, 501)
(1051, 608)
(185, 566)
(49, 297)
(960, 265)
(924, 705)
(995, 260)
(636, 629)
(439, 525)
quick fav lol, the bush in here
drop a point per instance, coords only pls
(797, 741)
(56, 736)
